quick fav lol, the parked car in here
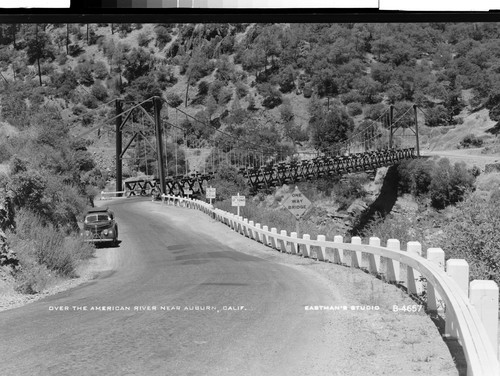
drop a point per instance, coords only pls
(99, 226)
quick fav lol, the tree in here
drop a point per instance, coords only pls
(330, 128)
(39, 47)
(137, 63)
(449, 183)
(144, 88)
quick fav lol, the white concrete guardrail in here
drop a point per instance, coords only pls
(471, 314)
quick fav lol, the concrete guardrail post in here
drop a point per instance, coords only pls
(338, 253)
(293, 245)
(435, 256)
(484, 298)
(393, 267)
(274, 243)
(356, 255)
(245, 227)
(258, 236)
(251, 233)
(414, 278)
(458, 270)
(283, 242)
(265, 237)
(321, 253)
(374, 260)
(307, 248)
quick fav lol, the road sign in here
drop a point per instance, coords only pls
(188, 192)
(238, 200)
(297, 203)
(210, 192)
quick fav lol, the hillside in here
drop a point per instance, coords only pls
(269, 84)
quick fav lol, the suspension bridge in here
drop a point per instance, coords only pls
(155, 138)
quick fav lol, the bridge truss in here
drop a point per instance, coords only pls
(390, 138)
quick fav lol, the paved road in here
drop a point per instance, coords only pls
(471, 157)
(163, 263)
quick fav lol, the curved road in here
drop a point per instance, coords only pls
(167, 264)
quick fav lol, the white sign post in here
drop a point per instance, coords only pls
(297, 204)
(210, 194)
(188, 192)
(238, 201)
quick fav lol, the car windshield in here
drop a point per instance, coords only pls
(96, 218)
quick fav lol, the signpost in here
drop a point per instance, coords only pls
(210, 194)
(188, 192)
(238, 201)
(297, 204)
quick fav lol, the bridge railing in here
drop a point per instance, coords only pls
(471, 314)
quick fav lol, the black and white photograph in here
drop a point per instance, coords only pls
(280, 197)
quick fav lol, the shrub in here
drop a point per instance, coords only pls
(241, 89)
(162, 36)
(354, 109)
(272, 96)
(449, 183)
(203, 87)
(37, 242)
(84, 73)
(415, 176)
(143, 39)
(90, 101)
(228, 182)
(375, 111)
(99, 91)
(402, 228)
(437, 116)
(473, 234)
(225, 95)
(100, 70)
(350, 97)
(349, 190)
(174, 100)
(471, 141)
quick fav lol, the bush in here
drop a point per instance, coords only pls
(174, 100)
(272, 96)
(402, 228)
(100, 70)
(449, 183)
(346, 192)
(375, 111)
(99, 91)
(162, 36)
(228, 182)
(471, 141)
(40, 245)
(437, 116)
(354, 109)
(350, 97)
(415, 176)
(225, 95)
(203, 87)
(90, 102)
(473, 234)
(241, 89)
(143, 39)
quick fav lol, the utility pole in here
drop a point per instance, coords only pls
(118, 104)
(159, 143)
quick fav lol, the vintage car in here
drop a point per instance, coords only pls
(99, 226)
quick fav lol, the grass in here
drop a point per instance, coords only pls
(44, 253)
